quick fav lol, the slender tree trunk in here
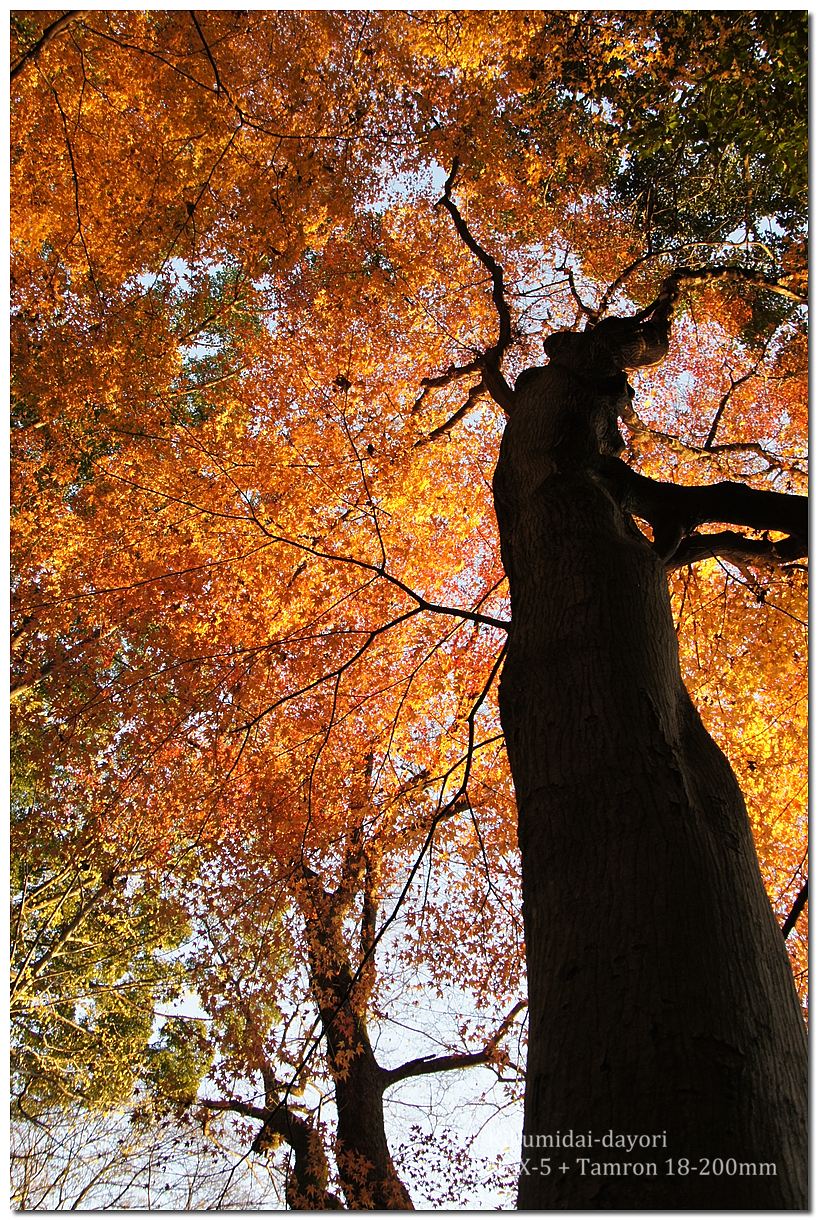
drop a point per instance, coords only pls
(307, 1184)
(661, 1000)
(368, 1176)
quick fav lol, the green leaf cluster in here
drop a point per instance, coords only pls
(715, 141)
(94, 958)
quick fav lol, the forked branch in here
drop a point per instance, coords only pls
(427, 1064)
(307, 1186)
(486, 363)
(731, 503)
(674, 512)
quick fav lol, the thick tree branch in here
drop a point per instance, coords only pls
(675, 511)
(622, 279)
(736, 548)
(369, 918)
(307, 1189)
(427, 1064)
(491, 265)
(48, 33)
(696, 275)
(233, 1106)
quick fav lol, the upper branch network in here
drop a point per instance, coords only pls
(674, 512)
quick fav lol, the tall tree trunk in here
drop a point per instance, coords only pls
(661, 999)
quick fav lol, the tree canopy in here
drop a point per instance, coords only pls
(264, 832)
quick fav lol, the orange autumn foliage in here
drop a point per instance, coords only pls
(244, 560)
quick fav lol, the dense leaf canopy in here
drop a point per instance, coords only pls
(258, 601)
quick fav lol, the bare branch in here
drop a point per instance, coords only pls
(692, 277)
(453, 373)
(232, 1106)
(376, 569)
(583, 310)
(76, 184)
(490, 361)
(621, 280)
(475, 393)
(219, 87)
(666, 504)
(736, 548)
(735, 382)
(491, 265)
(642, 434)
(427, 1064)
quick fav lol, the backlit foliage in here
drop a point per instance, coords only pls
(242, 548)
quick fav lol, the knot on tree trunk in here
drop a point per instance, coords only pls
(613, 345)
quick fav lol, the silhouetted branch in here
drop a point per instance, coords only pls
(622, 279)
(424, 1065)
(797, 908)
(219, 87)
(453, 373)
(307, 1189)
(490, 361)
(692, 277)
(474, 395)
(583, 310)
(736, 548)
(669, 507)
(735, 382)
(48, 33)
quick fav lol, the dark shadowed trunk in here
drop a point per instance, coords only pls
(368, 1176)
(661, 998)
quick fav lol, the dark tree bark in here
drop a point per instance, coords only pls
(661, 997)
(306, 1188)
(368, 1176)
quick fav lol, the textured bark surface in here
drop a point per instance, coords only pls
(661, 997)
